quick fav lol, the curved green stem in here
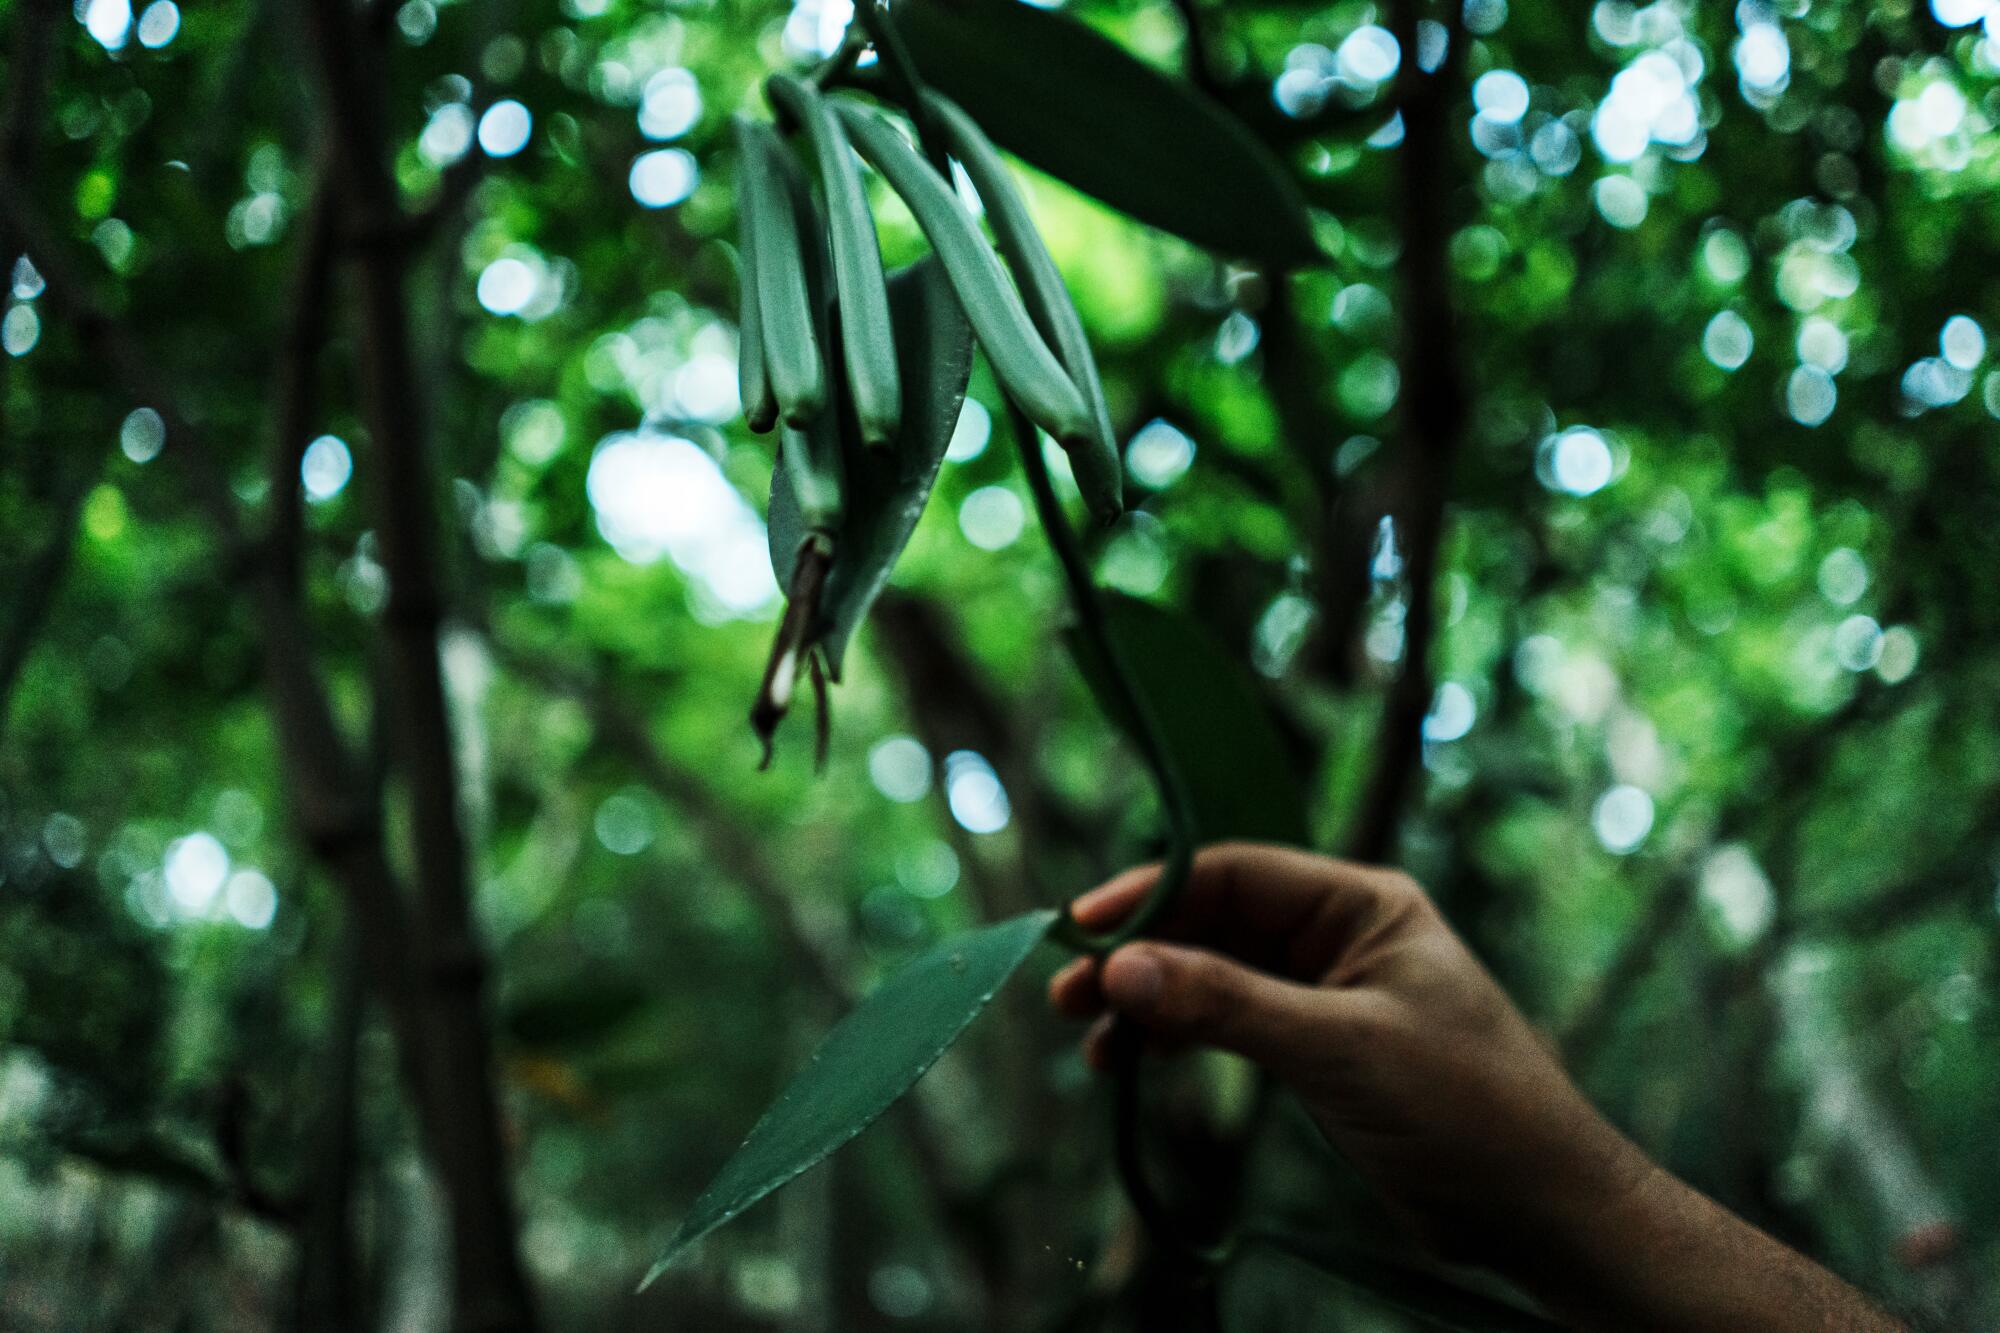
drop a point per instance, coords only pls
(873, 16)
(907, 83)
(1146, 731)
(835, 67)
(1126, 1045)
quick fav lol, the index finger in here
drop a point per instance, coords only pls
(1279, 908)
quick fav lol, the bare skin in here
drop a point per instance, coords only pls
(1345, 983)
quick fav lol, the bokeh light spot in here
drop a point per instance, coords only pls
(1501, 96)
(1159, 454)
(992, 517)
(251, 899)
(196, 868)
(1728, 341)
(970, 433)
(325, 468)
(664, 177)
(900, 768)
(1810, 395)
(504, 129)
(159, 25)
(1452, 713)
(142, 435)
(1622, 818)
(670, 104)
(972, 789)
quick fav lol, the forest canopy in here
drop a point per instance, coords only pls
(1559, 458)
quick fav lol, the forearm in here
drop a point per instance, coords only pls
(1660, 1257)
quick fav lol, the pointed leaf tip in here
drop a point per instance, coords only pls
(869, 1059)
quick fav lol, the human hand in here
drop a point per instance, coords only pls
(1346, 984)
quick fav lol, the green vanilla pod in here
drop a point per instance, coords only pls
(1099, 473)
(1022, 362)
(760, 408)
(784, 301)
(867, 337)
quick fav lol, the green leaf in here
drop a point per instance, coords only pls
(1283, 1282)
(1218, 733)
(1077, 105)
(886, 489)
(871, 1058)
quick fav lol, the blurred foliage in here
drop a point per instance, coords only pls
(1711, 774)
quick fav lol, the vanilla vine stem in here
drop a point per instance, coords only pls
(907, 85)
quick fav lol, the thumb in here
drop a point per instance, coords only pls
(1193, 995)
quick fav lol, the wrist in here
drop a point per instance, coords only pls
(1638, 1249)
(1593, 1203)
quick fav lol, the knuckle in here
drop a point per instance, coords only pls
(1399, 887)
(1370, 1026)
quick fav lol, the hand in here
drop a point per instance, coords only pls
(1344, 982)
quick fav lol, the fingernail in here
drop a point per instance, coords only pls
(1134, 980)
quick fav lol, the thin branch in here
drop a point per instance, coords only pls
(117, 348)
(28, 72)
(739, 856)
(37, 584)
(297, 385)
(1796, 763)
(954, 707)
(27, 81)
(1199, 60)
(1095, 629)
(1433, 419)
(1341, 518)
(1966, 882)
(905, 83)
(490, 1288)
(326, 1290)
(1671, 905)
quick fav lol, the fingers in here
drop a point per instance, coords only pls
(1110, 902)
(1074, 992)
(1182, 994)
(1279, 908)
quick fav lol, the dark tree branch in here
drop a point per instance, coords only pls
(1332, 119)
(297, 389)
(490, 1288)
(1433, 416)
(1340, 519)
(1671, 905)
(37, 583)
(27, 80)
(740, 857)
(1199, 60)
(326, 1291)
(28, 69)
(117, 348)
